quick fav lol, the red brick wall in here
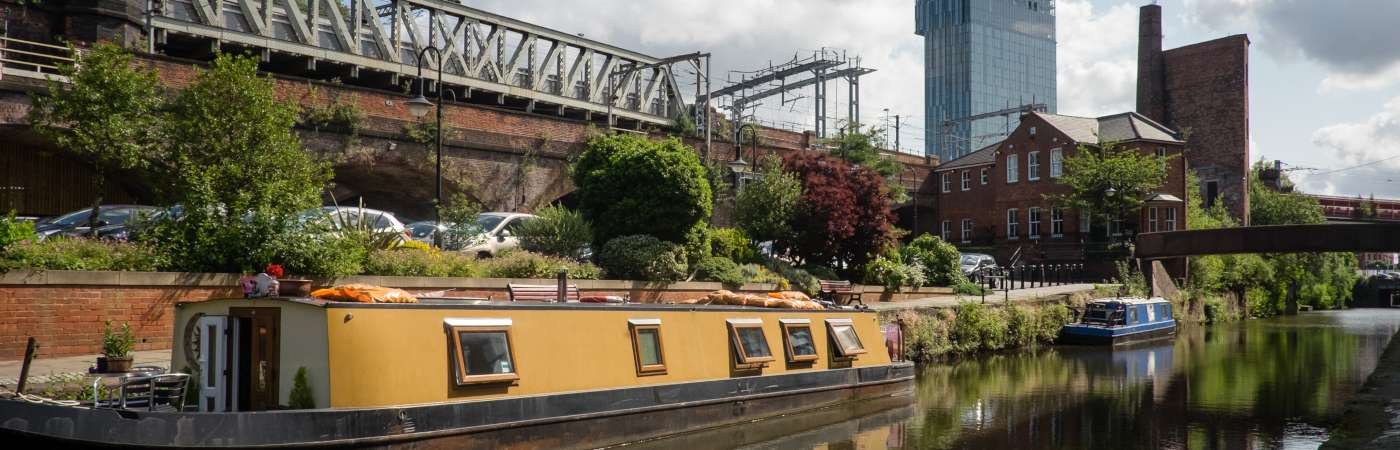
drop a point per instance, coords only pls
(1207, 93)
(68, 320)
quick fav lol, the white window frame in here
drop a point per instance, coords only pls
(1033, 166)
(965, 180)
(947, 233)
(1057, 222)
(1171, 219)
(1057, 162)
(1013, 224)
(1013, 171)
(1161, 152)
(947, 183)
(985, 176)
(1116, 226)
(1085, 222)
(966, 231)
(1033, 218)
(1152, 219)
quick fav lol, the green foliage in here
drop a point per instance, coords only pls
(892, 272)
(697, 243)
(523, 264)
(862, 149)
(843, 218)
(556, 231)
(59, 253)
(1133, 281)
(1198, 217)
(974, 327)
(642, 257)
(756, 273)
(1270, 207)
(336, 115)
(720, 269)
(300, 397)
(622, 176)
(685, 126)
(1091, 171)
(459, 215)
(766, 205)
(939, 259)
(13, 231)
(117, 343)
(237, 168)
(822, 272)
(797, 279)
(412, 262)
(964, 286)
(977, 327)
(733, 244)
(307, 252)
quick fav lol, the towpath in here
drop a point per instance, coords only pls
(1030, 295)
(44, 369)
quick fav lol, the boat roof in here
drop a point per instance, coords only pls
(482, 304)
(1130, 300)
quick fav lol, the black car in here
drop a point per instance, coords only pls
(112, 221)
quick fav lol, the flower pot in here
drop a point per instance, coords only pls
(294, 288)
(101, 364)
(118, 365)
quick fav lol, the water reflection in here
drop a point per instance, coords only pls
(1266, 384)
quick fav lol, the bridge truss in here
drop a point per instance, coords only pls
(484, 53)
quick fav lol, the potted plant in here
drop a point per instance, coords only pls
(116, 349)
(288, 287)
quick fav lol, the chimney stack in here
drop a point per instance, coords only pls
(1151, 85)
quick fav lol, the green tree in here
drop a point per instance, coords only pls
(767, 204)
(106, 114)
(556, 231)
(237, 168)
(862, 149)
(939, 259)
(1091, 171)
(630, 185)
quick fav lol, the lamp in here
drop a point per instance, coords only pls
(738, 165)
(419, 106)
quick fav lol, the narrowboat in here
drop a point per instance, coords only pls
(1121, 320)
(454, 373)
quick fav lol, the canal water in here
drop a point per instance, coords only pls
(1262, 384)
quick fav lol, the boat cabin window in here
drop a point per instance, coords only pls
(797, 337)
(750, 344)
(646, 346)
(844, 333)
(481, 350)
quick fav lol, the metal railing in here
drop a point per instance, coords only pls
(21, 57)
(1027, 276)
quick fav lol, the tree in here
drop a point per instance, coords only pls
(107, 114)
(1092, 171)
(1270, 207)
(237, 168)
(556, 231)
(766, 205)
(630, 185)
(843, 216)
(861, 149)
(941, 260)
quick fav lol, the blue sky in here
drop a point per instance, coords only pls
(1324, 87)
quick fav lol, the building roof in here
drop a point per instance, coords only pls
(986, 156)
(1129, 126)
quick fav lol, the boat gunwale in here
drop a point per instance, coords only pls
(471, 304)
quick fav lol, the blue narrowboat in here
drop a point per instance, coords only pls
(1121, 320)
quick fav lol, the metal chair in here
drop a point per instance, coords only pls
(153, 393)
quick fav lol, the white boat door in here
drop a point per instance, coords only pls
(213, 359)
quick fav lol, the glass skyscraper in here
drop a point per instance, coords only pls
(982, 56)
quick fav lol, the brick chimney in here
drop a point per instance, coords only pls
(1151, 83)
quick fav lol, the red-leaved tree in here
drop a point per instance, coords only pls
(844, 215)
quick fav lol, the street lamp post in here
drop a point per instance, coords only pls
(419, 106)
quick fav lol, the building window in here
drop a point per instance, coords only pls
(646, 346)
(966, 231)
(1171, 219)
(1085, 221)
(1161, 152)
(984, 176)
(481, 350)
(1212, 193)
(947, 230)
(1151, 220)
(1115, 226)
(1033, 166)
(797, 337)
(1013, 224)
(1032, 130)
(750, 344)
(1057, 163)
(1034, 214)
(947, 183)
(843, 333)
(966, 181)
(1057, 222)
(1012, 172)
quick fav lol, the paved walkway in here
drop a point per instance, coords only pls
(42, 368)
(998, 297)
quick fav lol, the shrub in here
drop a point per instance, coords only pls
(888, 271)
(732, 243)
(117, 343)
(977, 327)
(765, 206)
(963, 286)
(797, 279)
(319, 254)
(938, 258)
(720, 269)
(621, 175)
(755, 273)
(300, 397)
(927, 337)
(697, 243)
(822, 272)
(1132, 280)
(82, 254)
(13, 231)
(523, 264)
(409, 262)
(556, 231)
(642, 257)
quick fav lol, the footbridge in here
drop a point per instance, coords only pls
(1328, 237)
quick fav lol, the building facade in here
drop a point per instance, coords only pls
(982, 56)
(995, 199)
(1202, 90)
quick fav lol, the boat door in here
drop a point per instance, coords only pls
(213, 360)
(256, 360)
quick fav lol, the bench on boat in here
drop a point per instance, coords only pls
(839, 292)
(541, 293)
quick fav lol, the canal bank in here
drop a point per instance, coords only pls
(1372, 417)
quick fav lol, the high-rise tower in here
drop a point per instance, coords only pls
(982, 56)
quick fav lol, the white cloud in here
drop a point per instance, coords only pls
(1372, 144)
(1097, 58)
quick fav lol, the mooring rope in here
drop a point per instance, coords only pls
(31, 398)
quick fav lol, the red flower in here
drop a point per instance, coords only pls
(273, 270)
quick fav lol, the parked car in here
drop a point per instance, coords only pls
(973, 262)
(111, 221)
(351, 216)
(497, 233)
(422, 231)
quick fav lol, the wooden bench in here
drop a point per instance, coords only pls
(541, 292)
(839, 292)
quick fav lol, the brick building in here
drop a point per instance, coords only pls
(993, 200)
(1201, 90)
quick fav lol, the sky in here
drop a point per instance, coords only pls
(1324, 75)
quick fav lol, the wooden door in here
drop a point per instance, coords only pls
(264, 345)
